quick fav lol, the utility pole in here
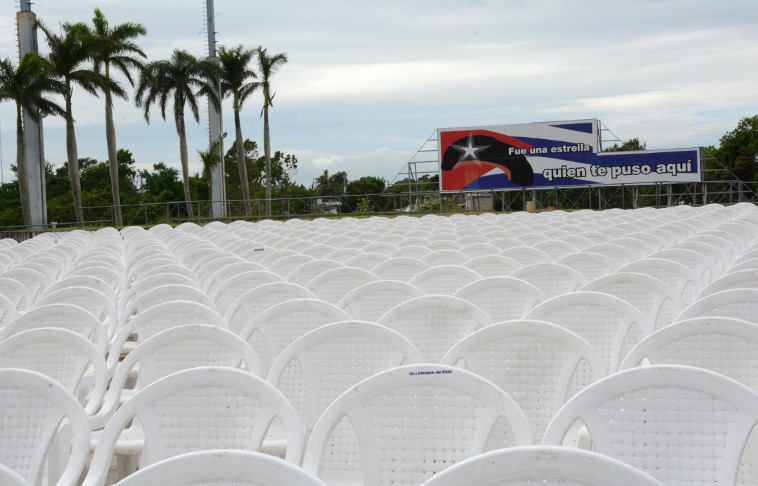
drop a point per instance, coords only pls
(215, 126)
(26, 22)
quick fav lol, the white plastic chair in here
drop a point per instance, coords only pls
(84, 281)
(64, 316)
(371, 301)
(735, 303)
(307, 271)
(534, 361)
(32, 408)
(275, 328)
(408, 423)
(445, 257)
(591, 265)
(680, 278)
(159, 318)
(551, 278)
(160, 295)
(433, 323)
(543, 465)
(493, 265)
(697, 262)
(257, 300)
(659, 302)
(682, 425)
(743, 279)
(526, 255)
(502, 298)
(333, 285)
(94, 301)
(31, 279)
(232, 288)
(16, 292)
(8, 311)
(400, 268)
(175, 349)
(60, 354)
(319, 366)
(199, 409)
(228, 467)
(444, 279)
(609, 324)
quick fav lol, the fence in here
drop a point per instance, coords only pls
(569, 198)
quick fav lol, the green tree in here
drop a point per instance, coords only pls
(268, 66)
(162, 185)
(236, 77)
(283, 169)
(114, 47)
(68, 54)
(367, 185)
(183, 78)
(28, 86)
(630, 145)
(209, 159)
(738, 150)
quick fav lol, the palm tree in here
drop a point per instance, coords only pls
(267, 67)
(210, 160)
(68, 54)
(235, 82)
(113, 47)
(176, 78)
(28, 86)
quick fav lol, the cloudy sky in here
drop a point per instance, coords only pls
(368, 83)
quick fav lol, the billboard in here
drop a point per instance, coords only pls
(551, 154)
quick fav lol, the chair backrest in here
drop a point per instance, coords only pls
(94, 301)
(89, 281)
(333, 285)
(534, 361)
(371, 301)
(33, 280)
(682, 425)
(551, 278)
(444, 279)
(16, 292)
(248, 305)
(609, 324)
(8, 311)
(60, 354)
(162, 294)
(502, 298)
(65, 316)
(322, 364)
(32, 407)
(199, 409)
(704, 268)
(175, 349)
(741, 279)
(399, 268)
(591, 265)
(721, 344)
(408, 423)
(159, 318)
(433, 323)
(543, 465)
(304, 273)
(681, 279)
(222, 274)
(234, 287)
(493, 265)
(277, 327)
(228, 467)
(659, 302)
(735, 303)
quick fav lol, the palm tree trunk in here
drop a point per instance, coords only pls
(241, 163)
(267, 153)
(110, 137)
(185, 164)
(23, 173)
(73, 162)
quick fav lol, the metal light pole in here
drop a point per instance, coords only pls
(35, 154)
(215, 126)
